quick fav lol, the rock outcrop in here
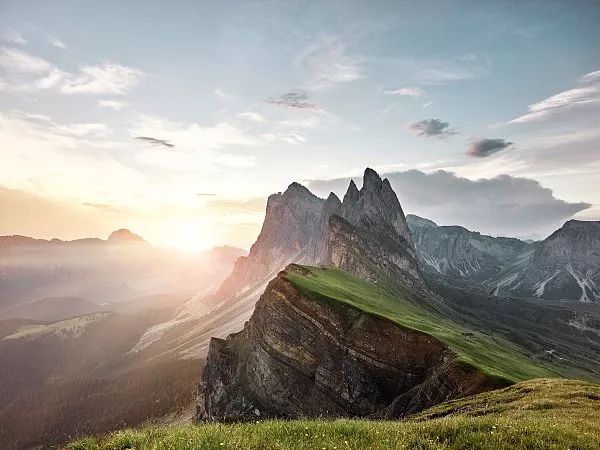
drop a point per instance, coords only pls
(298, 357)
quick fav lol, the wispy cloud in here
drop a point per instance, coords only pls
(13, 37)
(327, 63)
(154, 142)
(433, 128)
(252, 116)
(193, 136)
(406, 92)
(441, 71)
(220, 93)
(590, 77)
(564, 101)
(26, 73)
(112, 104)
(297, 99)
(483, 148)
(106, 78)
(56, 42)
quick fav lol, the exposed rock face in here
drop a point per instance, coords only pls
(370, 234)
(564, 266)
(289, 226)
(302, 228)
(458, 252)
(297, 357)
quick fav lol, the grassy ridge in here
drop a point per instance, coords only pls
(536, 414)
(495, 356)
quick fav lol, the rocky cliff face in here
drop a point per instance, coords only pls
(291, 221)
(564, 266)
(458, 252)
(297, 357)
(369, 234)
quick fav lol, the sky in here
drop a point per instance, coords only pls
(177, 119)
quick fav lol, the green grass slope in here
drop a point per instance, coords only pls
(537, 414)
(494, 355)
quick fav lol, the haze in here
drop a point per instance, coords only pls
(176, 122)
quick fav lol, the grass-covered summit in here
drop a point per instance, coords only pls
(540, 414)
(492, 354)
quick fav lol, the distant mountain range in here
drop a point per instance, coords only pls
(101, 272)
(70, 312)
(564, 266)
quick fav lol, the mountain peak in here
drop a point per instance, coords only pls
(352, 193)
(297, 190)
(123, 236)
(371, 180)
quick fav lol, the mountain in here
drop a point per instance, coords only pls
(308, 355)
(51, 309)
(100, 272)
(564, 266)
(458, 252)
(369, 335)
(365, 234)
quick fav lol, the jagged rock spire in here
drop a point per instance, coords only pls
(352, 193)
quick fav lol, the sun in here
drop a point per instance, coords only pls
(192, 236)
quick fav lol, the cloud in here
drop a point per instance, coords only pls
(565, 102)
(298, 123)
(81, 129)
(19, 62)
(106, 78)
(483, 148)
(112, 104)
(503, 205)
(154, 142)
(406, 92)
(433, 128)
(56, 42)
(220, 93)
(62, 159)
(297, 99)
(328, 63)
(440, 71)
(252, 116)
(590, 77)
(13, 37)
(28, 74)
(193, 136)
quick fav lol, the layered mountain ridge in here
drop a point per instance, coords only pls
(564, 266)
(305, 356)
